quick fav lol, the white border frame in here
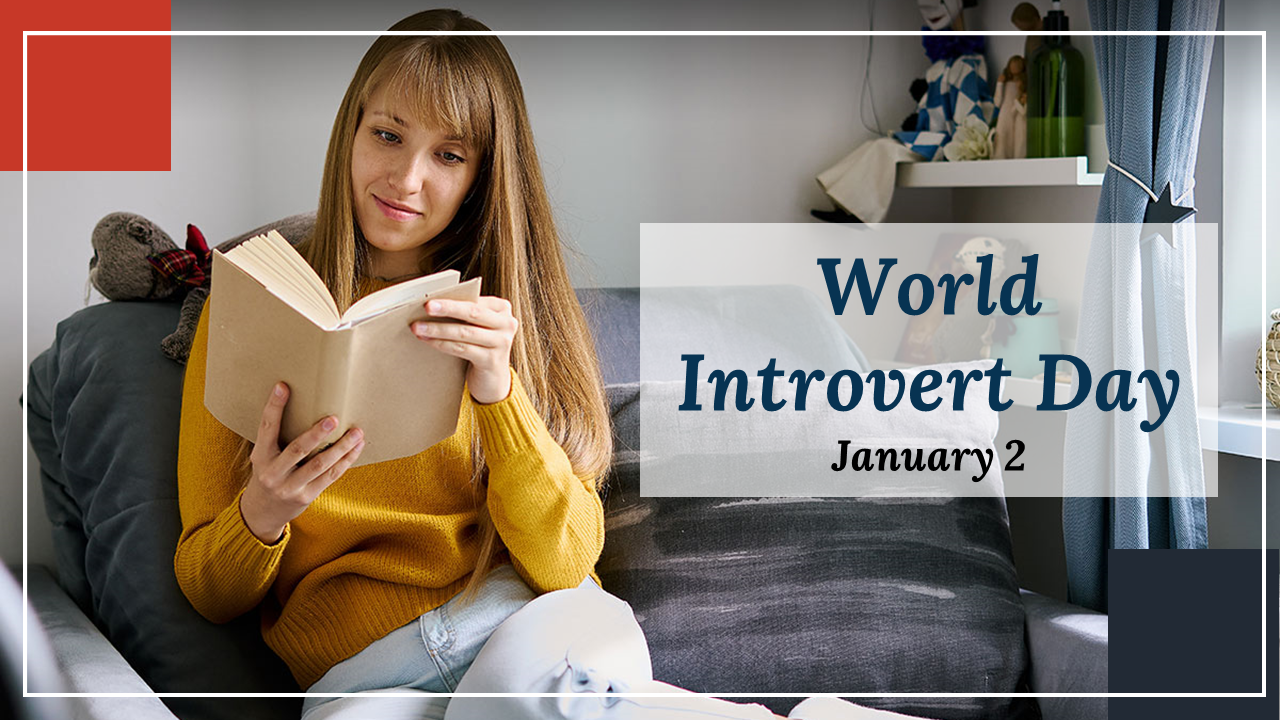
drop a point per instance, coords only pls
(631, 33)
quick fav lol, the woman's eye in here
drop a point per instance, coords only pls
(451, 158)
(386, 136)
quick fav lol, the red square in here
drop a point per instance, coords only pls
(98, 103)
(95, 102)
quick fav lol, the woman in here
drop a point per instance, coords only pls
(398, 573)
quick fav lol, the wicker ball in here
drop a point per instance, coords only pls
(1268, 367)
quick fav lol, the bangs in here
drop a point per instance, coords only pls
(439, 89)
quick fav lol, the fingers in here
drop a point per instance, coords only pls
(279, 490)
(271, 500)
(488, 312)
(456, 333)
(302, 445)
(331, 464)
(474, 354)
(269, 428)
(487, 326)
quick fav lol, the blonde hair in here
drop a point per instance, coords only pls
(503, 233)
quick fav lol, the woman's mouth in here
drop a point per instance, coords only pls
(395, 212)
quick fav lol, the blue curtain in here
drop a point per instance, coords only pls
(1138, 307)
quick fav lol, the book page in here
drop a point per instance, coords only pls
(274, 263)
(273, 275)
(307, 274)
(410, 290)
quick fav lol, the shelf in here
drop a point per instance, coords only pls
(1235, 428)
(1028, 172)
(1238, 429)
(1022, 392)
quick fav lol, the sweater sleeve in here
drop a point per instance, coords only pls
(221, 566)
(551, 521)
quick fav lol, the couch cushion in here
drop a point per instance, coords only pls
(810, 594)
(104, 404)
(819, 594)
(613, 314)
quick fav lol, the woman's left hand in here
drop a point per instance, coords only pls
(483, 339)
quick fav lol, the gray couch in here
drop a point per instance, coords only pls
(733, 597)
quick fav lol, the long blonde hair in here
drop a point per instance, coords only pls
(503, 233)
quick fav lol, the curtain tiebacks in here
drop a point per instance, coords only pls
(1154, 198)
(1160, 209)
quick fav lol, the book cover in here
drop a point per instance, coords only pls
(370, 371)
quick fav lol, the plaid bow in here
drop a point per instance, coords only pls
(189, 266)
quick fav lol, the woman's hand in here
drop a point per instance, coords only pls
(279, 489)
(483, 339)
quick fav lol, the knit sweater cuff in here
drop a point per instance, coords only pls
(238, 547)
(511, 426)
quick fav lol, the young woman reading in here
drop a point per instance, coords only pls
(393, 576)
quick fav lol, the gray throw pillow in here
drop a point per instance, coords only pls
(103, 404)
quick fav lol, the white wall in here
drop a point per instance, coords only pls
(1263, 15)
(1244, 303)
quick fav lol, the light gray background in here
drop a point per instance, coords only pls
(629, 130)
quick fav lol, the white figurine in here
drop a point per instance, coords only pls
(1011, 124)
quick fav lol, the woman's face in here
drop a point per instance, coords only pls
(407, 181)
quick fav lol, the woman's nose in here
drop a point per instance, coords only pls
(408, 175)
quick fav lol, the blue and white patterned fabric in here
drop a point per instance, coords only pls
(957, 89)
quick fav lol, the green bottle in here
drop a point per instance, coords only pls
(1055, 93)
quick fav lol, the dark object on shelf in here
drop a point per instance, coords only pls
(1055, 96)
(949, 46)
(837, 215)
(919, 87)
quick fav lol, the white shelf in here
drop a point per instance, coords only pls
(1029, 393)
(1021, 391)
(1028, 172)
(1234, 428)
(1238, 429)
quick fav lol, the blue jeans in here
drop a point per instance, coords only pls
(428, 655)
(506, 640)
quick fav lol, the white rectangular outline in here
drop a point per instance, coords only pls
(638, 33)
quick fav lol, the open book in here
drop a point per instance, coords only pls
(273, 319)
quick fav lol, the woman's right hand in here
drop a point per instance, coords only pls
(279, 489)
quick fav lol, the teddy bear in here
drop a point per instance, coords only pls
(119, 268)
(134, 259)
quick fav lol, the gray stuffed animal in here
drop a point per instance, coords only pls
(119, 268)
(134, 259)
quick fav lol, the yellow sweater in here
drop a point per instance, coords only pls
(387, 541)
